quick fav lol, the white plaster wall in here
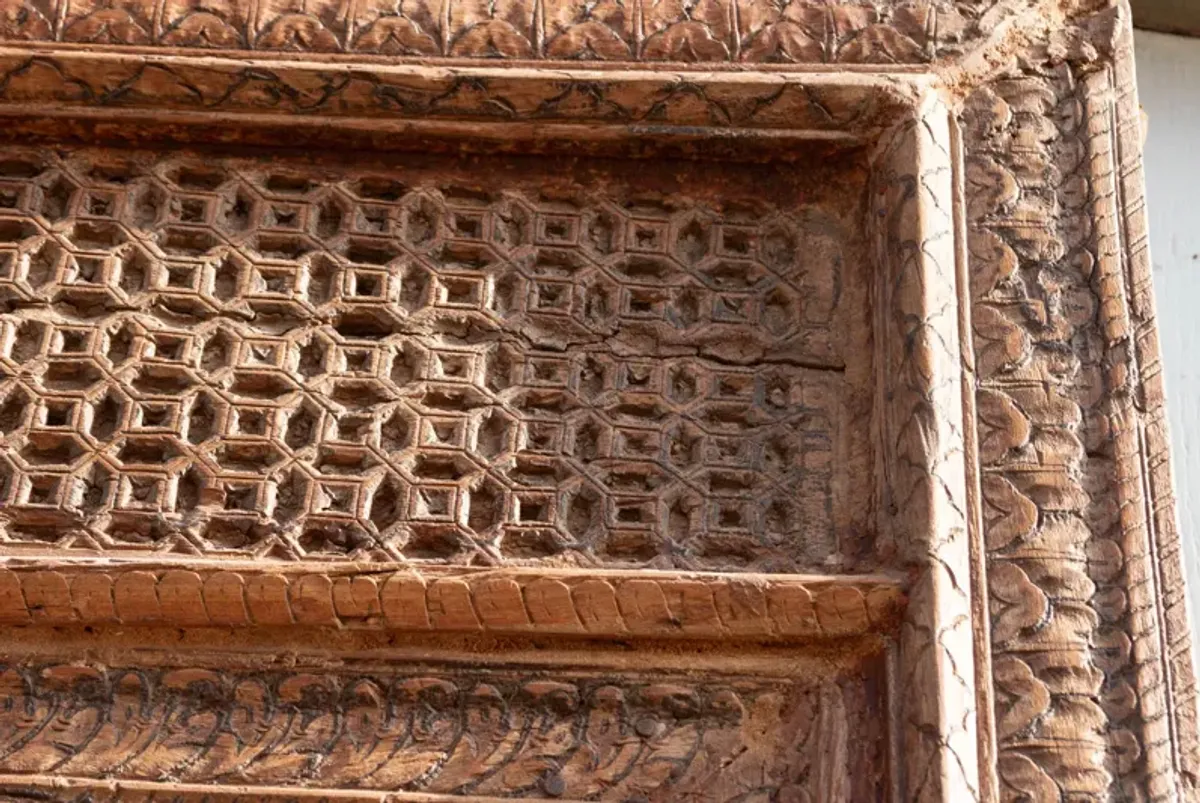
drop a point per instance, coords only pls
(1168, 76)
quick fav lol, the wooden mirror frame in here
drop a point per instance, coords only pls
(1042, 649)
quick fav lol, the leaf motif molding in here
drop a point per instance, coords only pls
(745, 31)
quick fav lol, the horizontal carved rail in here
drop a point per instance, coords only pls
(600, 102)
(475, 733)
(607, 604)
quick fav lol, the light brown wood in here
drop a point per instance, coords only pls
(703, 402)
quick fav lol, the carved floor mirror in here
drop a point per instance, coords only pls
(705, 401)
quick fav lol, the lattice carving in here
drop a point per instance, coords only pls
(224, 358)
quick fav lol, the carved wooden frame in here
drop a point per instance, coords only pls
(1041, 613)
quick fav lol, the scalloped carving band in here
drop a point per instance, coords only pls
(700, 607)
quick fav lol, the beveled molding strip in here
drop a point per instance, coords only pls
(581, 101)
(595, 604)
(58, 788)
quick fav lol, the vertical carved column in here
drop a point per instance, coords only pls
(925, 475)
(1082, 555)
(1170, 602)
(1032, 301)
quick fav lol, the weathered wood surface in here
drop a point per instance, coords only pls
(245, 358)
(993, 489)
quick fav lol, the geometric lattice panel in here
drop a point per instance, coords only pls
(227, 357)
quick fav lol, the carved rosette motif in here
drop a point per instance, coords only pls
(1043, 650)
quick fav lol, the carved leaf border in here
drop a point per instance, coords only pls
(730, 31)
(1090, 639)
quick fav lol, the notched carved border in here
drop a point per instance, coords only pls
(461, 731)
